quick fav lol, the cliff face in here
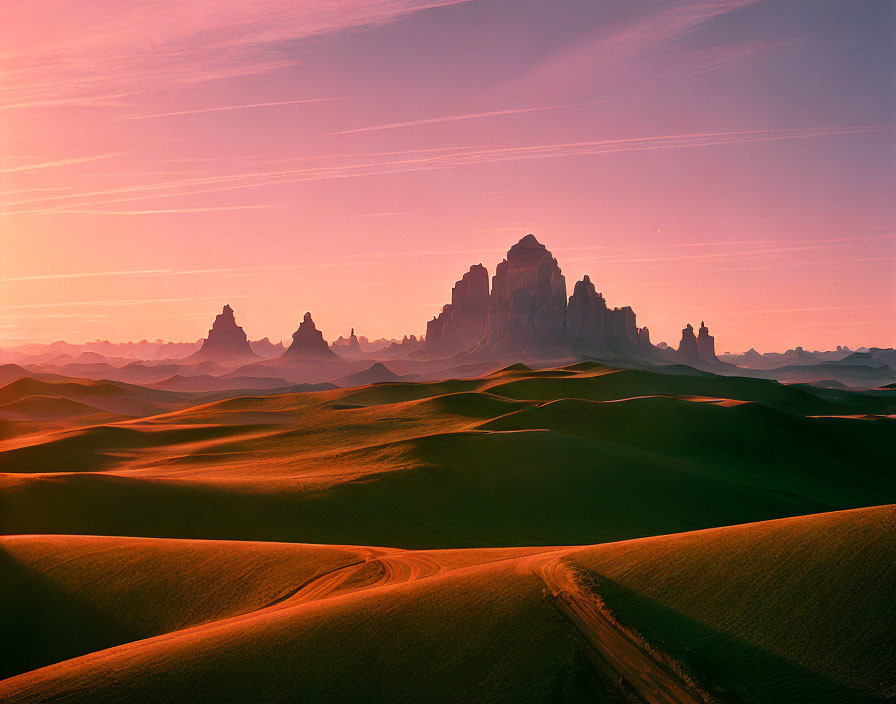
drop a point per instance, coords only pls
(595, 330)
(527, 306)
(622, 332)
(461, 323)
(226, 341)
(308, 343)
(586, 319)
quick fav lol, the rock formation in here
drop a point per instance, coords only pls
(706, 345)
(687, 350)
(348, 347)
(401, 349)
(586, 319)
(461, 323)
(622, 332)
(645, 348)
(595, 330)
(308, 343)
(226, 341)
(527, 306)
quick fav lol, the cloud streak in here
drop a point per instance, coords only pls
(227, 108)
(468, 116)
(92, 53)
(470, 156)
(60, 162)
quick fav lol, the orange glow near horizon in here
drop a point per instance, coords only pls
(729, 162)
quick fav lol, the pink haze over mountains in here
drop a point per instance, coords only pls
(355, 158)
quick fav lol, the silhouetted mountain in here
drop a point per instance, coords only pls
(377, 373)
(348, 347)
(226, 341)
(308, 343)
(266, 349)
(396, 350)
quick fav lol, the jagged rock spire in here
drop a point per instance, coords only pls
(226, 341)
(308, 343)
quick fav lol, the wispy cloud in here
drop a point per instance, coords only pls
(641, 35)
(468, 116)
(437, 161)
(170, 211)
(60, 162)
(135, 273)
(227, 108)
(93, 53)
(767, 311)
(127, 301)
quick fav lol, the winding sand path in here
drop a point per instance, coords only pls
(612, 651)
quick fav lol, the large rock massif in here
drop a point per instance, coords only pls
(527, 306)
(226, 342)
(308, 343)
(527, 315)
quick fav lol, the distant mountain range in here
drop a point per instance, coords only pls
(522, 315)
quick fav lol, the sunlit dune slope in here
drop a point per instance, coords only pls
(795, 610)
(520, 457)
(388, 632)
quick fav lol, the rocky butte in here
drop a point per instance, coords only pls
(696, 350)
(308, 343)
(226, 341)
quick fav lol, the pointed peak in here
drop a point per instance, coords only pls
(227, 309)
(586, 279)
(307, 319)
(529, 241)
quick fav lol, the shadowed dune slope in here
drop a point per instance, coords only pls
(68, 595)
(48, 408)
(794, 610)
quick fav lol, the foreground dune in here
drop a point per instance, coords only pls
(677, 618)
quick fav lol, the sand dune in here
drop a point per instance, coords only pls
(460, 463)
(49, 408)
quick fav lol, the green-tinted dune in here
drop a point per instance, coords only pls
(798, 610)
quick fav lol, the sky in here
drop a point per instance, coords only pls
(732, 161)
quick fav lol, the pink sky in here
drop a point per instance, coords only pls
(725, 160)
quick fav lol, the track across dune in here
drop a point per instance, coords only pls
(616, 654)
